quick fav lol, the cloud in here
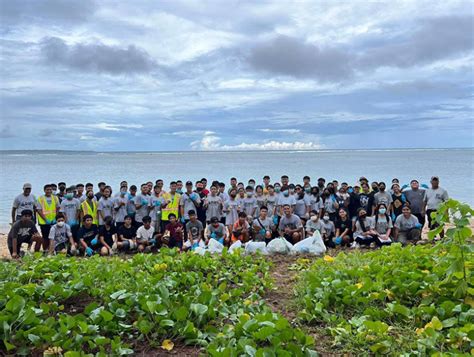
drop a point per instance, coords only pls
(284, 55)
(105, 126)
(52, 11)
(190, 133)
(96, 57)
(212, 142)
(433, 39)
(6, 132)
(283, 131)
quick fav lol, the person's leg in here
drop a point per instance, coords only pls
(38, 242)
(45, 229)
(414, 234)
(296, 237)
(104, 251)
(421, 219)
(328, 242)
(402, 238)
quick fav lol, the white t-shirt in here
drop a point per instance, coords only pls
(144, 234)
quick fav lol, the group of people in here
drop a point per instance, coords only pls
(79, 221)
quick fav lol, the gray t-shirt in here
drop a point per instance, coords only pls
(70, 208)
(231, 208)
(214, 207)
(249, 205)
(189, 204)
(106, 206)
(157, 206)
(302, 205)
(369, 223)
(286, 200)
(382, 224)
(22, 202)
(316, 203)
(292, 222)
(405, 224)
(330, 205)
(311, 226)
(60, 234)
(434, 198)
(261, 201)
(195, 228)
(119, 210)
(219, 230)
(272, 202)
(263, 225)
(383, 197)
(141, 212)
(328, 228)
(416, 199)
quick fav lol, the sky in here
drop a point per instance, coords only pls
(235, 75)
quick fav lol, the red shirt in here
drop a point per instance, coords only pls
(174, 234)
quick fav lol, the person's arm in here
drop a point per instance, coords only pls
(13, 214)
(83, 243)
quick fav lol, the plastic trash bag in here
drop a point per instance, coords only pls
(312, 245)
(214, 246)
(200, 251)
(280, 246)
(253, 247)
(234, 246)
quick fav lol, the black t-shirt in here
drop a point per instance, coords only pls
(354, 204)
(127, 233)
(397, 203)
(107, 234)
(343, 225)
(22, 231)
(366, 201)
(87, 233)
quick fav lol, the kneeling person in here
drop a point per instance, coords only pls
(60, 237)
(174, 232)
(127, 235)
(216, 230)
(23, 231)
(107, 237)
(146, 235)
(194, 231)
(87, 236)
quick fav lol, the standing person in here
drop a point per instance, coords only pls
(249, 202)
(343, 228)
(382, 197)
(364, 230)
(194, 230)
(47, 210)
(71, 207)
(433, 199)
(179, 187)
(285, 198)
(24, 201)
(233, 184)
(263, 226)
(200, 209)
(330, 204)
(80, 195)
(142, 205)
(188, 202)
(231, 209)
(23, 231)
(105, 206)
(205, 191)
(290, 226)
(213, 204)
(157, 203)
(87, 234)
(315, 201)
(120, 206)
(172, 199)
(354, 200)
(416, 197)
(285, 180)
(366, 198)
(222, 193)
(383, 224)
(260, 198)
(99, 194)
(60, 237)
(131, 209)
(158, 188)
(321, 184)
(175, 231)
(266, 183)
(89, 208)
(303, 204)
(218, 231)
(398, 200)
(62, 191)
(407, 226)
(271, 201)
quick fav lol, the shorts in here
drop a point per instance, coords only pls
(19, 242)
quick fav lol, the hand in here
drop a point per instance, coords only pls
(287, 230)
(89, 251)
(14, 255)
(144, 202)
(94, 241)
(418, 225)
(157, 203)
(404, 186)
(152, 241)
(182, 220)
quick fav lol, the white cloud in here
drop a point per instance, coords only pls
(190, 133)
(212, 142)
(283, 131)
(108, 126)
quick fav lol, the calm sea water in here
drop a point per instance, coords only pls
(454, 166)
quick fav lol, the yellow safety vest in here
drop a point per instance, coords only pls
(48, 209)
(172, 207)
(87, 209)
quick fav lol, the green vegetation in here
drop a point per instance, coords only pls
(114, 306)
(415, 300)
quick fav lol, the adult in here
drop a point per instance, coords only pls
(24, 201)
(434, 197)
(172, 199)
(263, 226)
(290, 226)
(407, 226)
(416, 197)
(23, 231)
(47, 210)
(343, 228)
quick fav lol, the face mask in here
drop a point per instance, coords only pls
(382, 211)
(122, 193)
(326, 218)
(249, 194)
(233, 195)
(55, 191)
(69, 195)
(251, 184)
(314, 193)
(286, 193)
(382, 189)
(307, 190)
(314, 218)
(180, 191)
(277, 189)
(60, 224)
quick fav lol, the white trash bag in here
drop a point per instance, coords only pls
(200, 251)
(234, 246)
(280, 246)
(253, 247)
(214, 246)
(312, 245)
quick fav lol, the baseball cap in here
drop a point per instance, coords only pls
(189, 183)
(434, 178)
(27, 185)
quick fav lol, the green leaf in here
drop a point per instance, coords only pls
(120, 313)
(199, 309)
(33, 338)
(106, 315)
(166, 323)
(8, 345)
(250, 350)
(437, 324)
(401, 309)
(15, 304)
(181, 314)
(450, 322)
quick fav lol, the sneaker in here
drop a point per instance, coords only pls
(372, 245)
(355, 245)
(114, 247)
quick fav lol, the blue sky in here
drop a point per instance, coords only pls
(235, 75)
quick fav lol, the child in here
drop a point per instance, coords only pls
(240, 230)
(60, 237)
(146, 235)
(174, 230)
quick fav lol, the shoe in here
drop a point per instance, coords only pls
(372, 245)
(355, 245)
(114, 247)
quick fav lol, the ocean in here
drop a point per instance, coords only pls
(455, 167)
